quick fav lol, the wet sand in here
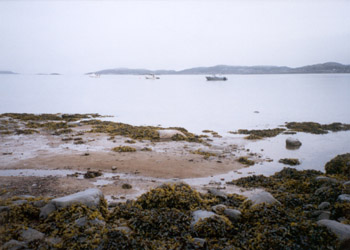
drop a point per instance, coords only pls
(168, 161)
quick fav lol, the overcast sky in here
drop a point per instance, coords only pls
(82, 36)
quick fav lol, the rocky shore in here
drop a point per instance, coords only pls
(297, 210)
(141, 201)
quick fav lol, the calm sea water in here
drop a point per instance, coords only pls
(194, 103)
(187, 101)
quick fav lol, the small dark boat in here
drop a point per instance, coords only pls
(216, 78)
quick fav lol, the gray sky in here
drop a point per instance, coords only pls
(82, 36)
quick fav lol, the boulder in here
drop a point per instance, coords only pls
(83, 221)
(218, 209)
(324, 215)
(322, 190)
(31, 234)
(124, 230)
(200, 215)
(324, 205)
(346, 187)
(53, 240)
(92, 174)
(262, 197)
(342, 231)
(325, 179)
(206, 224)
(4, 208)
(19, 202)
(344, 198)
(199, 242)
(169, 133)
(292, 143)
(14, 245)
(216, 192)
(232, 214)
(39, 203)
(90, 197)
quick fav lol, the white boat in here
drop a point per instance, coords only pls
(94, 75)
(152, 77)
(216, 78)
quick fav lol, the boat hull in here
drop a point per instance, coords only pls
(216, 78)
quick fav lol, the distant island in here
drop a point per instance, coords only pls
(51, 74)
(4, 72)
(324, 68)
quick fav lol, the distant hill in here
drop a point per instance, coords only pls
(3, 72)
(329, 67)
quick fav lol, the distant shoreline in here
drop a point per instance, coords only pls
(325, 68)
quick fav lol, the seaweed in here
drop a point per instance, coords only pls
(130, 141)
(317, 128)
(339, 165)
(146, 149)
(48, 117)
(172, 195)
(245, 161)
(122, 149)
(26, 131)
(136, 132)
(162, 217)
(259, 134)
(289, 161)
(205, 154)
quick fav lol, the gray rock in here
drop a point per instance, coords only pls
(324, 205)
(47, 209)
(316, 213)
(233, 214)
(168, 133)
(347, 183)
(90, 197)
(14, 245)
(324, 215)
(293, 142)
(325, 179)
(112, 204)
(19, 202)
(341, 219)
(199, 242)
(217, 193)
(97, 222)
(322, 190)
(309, 207)
(200, 215)
(31, 234)
(83, 221)
(39, 203)
(219, 209)
(342, 231)
(262, 197)
(124, 230)
(53, 240)
(344, 198)
(26, 196)
(4, 208)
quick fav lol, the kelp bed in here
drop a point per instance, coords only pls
(162, 217)
(59, 124)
